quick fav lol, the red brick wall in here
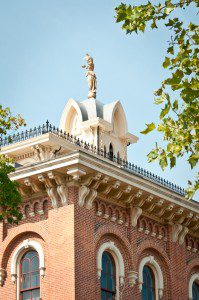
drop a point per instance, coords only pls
(71, 236)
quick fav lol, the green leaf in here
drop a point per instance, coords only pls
(150, 127)
(166, 63)
(193, 160)
(170, 50)
(172, 162)
(159, 100)
(165, 111)
(175, 105)
(163, 162)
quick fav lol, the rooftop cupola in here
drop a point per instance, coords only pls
(102, 125)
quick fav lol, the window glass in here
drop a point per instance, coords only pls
(25, 282)
(195, 291)
(29, 276)
(35, 294)
(35, 263)
(108, 277)
(148, 288)
(25, 266)
(26, 296)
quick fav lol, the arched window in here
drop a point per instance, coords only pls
(108, 277)
(111, 151)
(150, 279)
(30, 276)
(148, 288)
(195, 291)
(194, 287)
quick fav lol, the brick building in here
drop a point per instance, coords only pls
(95, 226)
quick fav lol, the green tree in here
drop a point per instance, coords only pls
(10, 197)
(179, 93)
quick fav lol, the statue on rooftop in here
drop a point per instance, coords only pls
(91, 77)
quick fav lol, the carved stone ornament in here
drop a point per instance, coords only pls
(135, 213)
(179, 233)
(43, 153)
(62, 189)
(51, 190)
(2, 276)
(132, 277)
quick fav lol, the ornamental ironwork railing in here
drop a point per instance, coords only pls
(48, 128)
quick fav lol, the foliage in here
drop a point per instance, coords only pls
(179, 118)
(10, 197)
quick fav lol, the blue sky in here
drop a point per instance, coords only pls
(42, 45)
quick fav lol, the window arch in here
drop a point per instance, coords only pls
(108, 277)
(16, 263)
(194, 287)
(29, 280)
(148, 287)
(117, 264)
(152, 264)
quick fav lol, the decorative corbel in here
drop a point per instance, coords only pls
(151, 207)
(61, 186)
(127, 189)
(98, 181)
(182, 235)
(132, 277)
(83, 192)
(176, 229)
(143, 200)
(35, 187)
(189, 219)
(118, 195)
(91, 197)
(23, 191)
(164, 209)
(133, 196)
(135, 214)
(2, 276)
(115, 185)
(51, 190)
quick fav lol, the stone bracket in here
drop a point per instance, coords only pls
(132, 277)
(179, 233)
(135, 214)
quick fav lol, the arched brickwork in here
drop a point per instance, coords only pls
(108, 232)
(148, 248)
(193, 266)
(11, 246)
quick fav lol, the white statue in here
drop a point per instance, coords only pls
(91, 77)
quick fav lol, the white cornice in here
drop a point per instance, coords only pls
(92, 163)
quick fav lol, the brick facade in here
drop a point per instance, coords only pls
(82, 198)
(71, 235)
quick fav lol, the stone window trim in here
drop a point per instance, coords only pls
(159, 283)
(193, 278)
(19, 252)
(119, 263)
